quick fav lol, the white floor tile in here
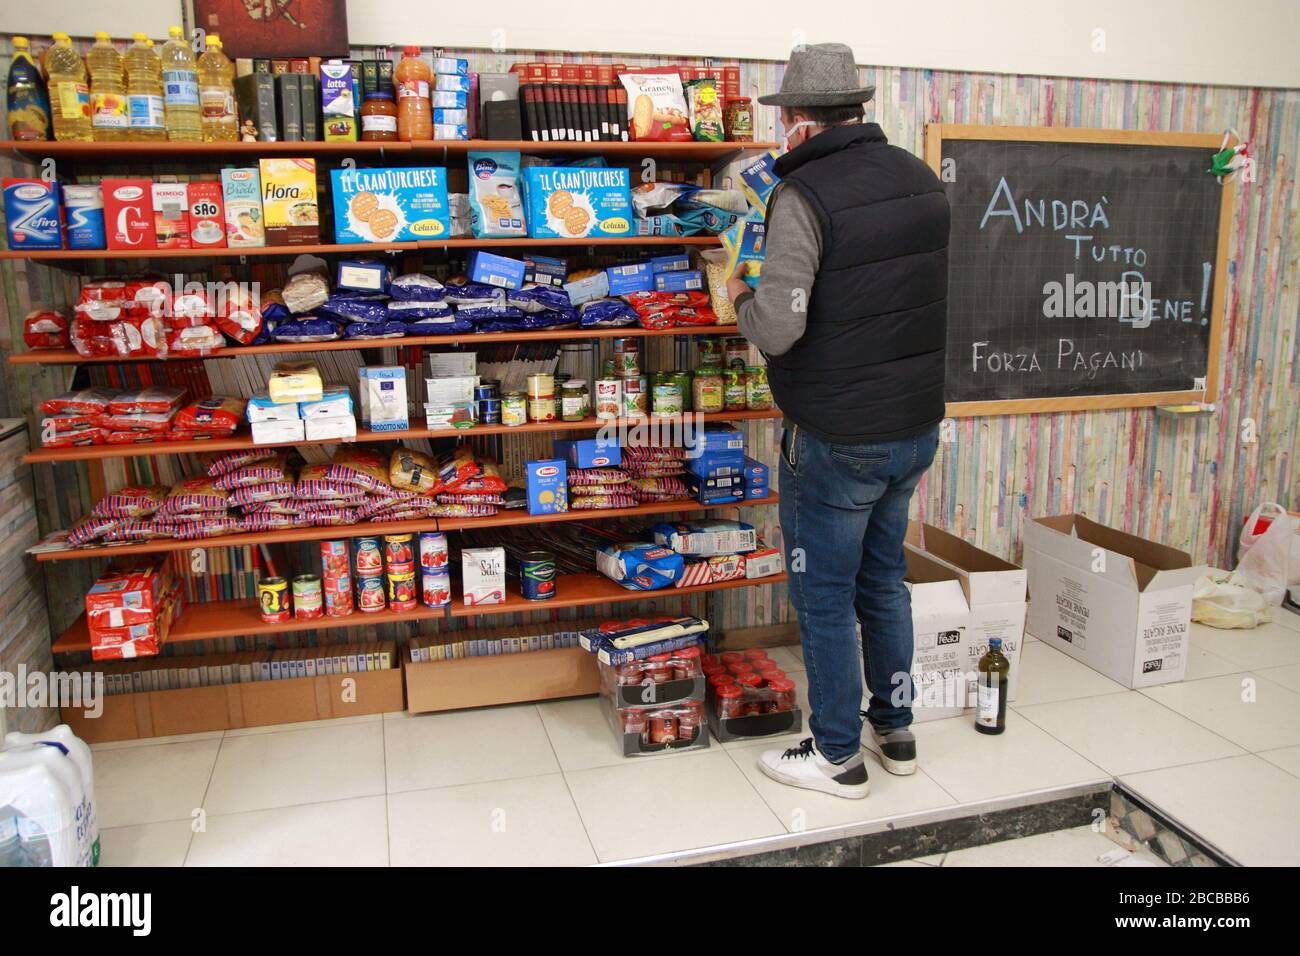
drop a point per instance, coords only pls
(1125, 733)
(799, 809)
(526, 822)
(1202, 664)
(336, 833)
(973, 766)
(1048, 675)
(466, 746)
(1268, 717)
(1288, 676)
(152, 784)
(304, 725)
(148, 844)
(645, 807)
(155, 741)
(1079, 846)
(1269, 645)
(262, 771)
(581, 734)
(789, 657)
(1288, 758)
(1287, 618)
(1245, 806)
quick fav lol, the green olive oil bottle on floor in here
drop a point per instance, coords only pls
(991, 693)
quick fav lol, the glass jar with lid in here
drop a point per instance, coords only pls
(707, 389)
(575, 401)
(379, 117)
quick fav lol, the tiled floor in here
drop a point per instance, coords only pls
(1080, 846)
(544, 784)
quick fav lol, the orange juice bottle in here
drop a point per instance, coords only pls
(414, 108)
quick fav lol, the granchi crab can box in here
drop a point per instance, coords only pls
(565, 202)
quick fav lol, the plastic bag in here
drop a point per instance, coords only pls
(1264, 560)
(1226, 605)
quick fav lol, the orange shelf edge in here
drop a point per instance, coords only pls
(289, 535)
(210, 620)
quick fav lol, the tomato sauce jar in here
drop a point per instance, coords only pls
(689, 720)
(663, 727)
(782, 696)
(659, 668)
(686, 663)
(730, 701)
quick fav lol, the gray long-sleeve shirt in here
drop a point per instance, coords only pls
(774, 317)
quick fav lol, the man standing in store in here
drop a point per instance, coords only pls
(851, 312)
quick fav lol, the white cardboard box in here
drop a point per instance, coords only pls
(941, 637)
(995, 593)
(1119, 603)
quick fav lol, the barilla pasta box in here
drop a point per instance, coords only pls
(633, 277)
(599, 452)
(744, 242)
(128, 214)
(565, 202)
(84, 209)
(171, 215)
(757, 180)
(401, 204)
(678, 281)
(289, 207)
(241, 193)
(207, 221)
(547, 487)
(32, 214)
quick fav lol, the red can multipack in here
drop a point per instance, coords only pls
(128, 214)
(129, 592)
(143, 639)
(207, 216)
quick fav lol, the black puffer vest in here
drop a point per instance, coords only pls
(870, 365)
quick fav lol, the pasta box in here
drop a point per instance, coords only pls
(566, 202)
(590, 452)
(633, 277)
(128, 214)
(548, 487)
(289, 204)
(678, 281)
(399, 204)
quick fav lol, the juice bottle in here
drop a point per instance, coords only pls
(414, 109)
(217, 94)
(144, 91)
(69, 91)
(29, 105)
(109, 120)
(180, 76)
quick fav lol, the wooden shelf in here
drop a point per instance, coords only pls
(105, 153)
(354, 248)
(70, 357)
(501, 519)
(240, 618)
(243, 441)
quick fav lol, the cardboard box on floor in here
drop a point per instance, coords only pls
(1119, 603)
(941, 638)
(995, 595)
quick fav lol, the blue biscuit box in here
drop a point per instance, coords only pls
(415, 195)
(678, 281)
(500, 271)
(566, 202)
(670, 263)
(548, 487)
(636, 277)
(718, 465)
(33, 214)
(591, 452)
(717, 438)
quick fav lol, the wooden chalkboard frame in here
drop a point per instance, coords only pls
(936, 133)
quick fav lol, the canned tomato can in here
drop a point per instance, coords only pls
(273, 600)
(399, 553)
(307, 601)
(338, 595)
(537, 575)
(609, 398)
(401, 591)
(333, 558)
(370, 594)
(369, 557)
(433, 551)
(514, 409)
(627, 356)
(435, 588)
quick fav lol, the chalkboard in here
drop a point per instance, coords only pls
(1085, 267)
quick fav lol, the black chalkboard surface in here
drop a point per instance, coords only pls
(1081, 272)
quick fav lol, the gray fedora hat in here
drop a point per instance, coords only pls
(820, 74)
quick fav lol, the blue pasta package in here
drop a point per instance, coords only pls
(640, 565)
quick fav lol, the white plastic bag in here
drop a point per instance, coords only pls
(1221, 604)
(1263, 560)
(1273, 512)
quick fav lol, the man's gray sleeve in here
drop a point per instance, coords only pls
(774, 316)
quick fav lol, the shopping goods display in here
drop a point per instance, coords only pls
(216, 78)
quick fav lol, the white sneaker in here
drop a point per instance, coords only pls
(897, 751)
(805, 767)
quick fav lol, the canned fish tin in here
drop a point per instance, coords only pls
(338, 595)
(273, 600)
(307, 601)
(541, 385)
(433, 551)
(369, 559)
(399, 553)
(537, 575)
(370, 594)
(668, 399)
(609, 398)
(489, 411)
(627, 357)
(514, 409)
(435, 588)
(401, 591)
(485, 392)
(333, 558)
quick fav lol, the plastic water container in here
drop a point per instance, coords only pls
(144, 91)
(40, 791)
(78, 752)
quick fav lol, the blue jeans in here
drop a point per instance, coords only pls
(844, 518)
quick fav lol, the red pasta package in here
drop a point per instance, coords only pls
(158, 399)
(187, 529)
(195, 340)
(192, 495)
(215, 414)
(144, 530)
(328, 515)
(190, 310)
(46, 329)
(230, 460)
(133, 501)
(658, 489)
(581, 477)
(615, 499)
(133, 438)
(239, 316)
(72, 439)
(653, 453)
(53, 424)
(82, 401)
(137, 421)
(487, 481)
(255, 494)
(469, 498)
(692, 315)
(91, 528)
(258, 473)
(360, 467)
